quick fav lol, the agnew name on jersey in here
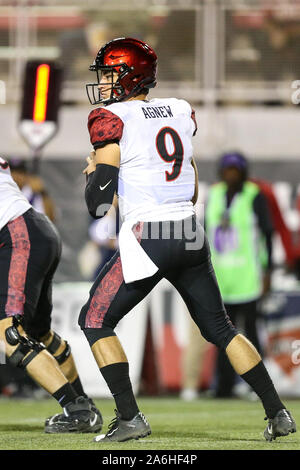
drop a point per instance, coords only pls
(157, 112)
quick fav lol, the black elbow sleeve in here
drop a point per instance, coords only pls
(100, 189)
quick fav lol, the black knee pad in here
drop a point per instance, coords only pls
(28, 347)
(34, 329)
(94, 334)
(54, 346)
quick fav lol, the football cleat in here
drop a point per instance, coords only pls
(281, 425)
(95, 409)
(79, 417)
(120, 430)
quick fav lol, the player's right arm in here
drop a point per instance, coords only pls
(103, 170)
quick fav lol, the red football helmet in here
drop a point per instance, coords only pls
(135, 63)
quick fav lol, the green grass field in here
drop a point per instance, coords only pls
(204, 424)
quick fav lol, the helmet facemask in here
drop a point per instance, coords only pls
(118, 92)
(94, 91)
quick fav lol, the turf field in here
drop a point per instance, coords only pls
(204, 424)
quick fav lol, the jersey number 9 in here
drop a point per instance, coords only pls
(176, 157)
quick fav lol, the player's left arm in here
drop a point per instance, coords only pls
(195, 197)
(195, 127)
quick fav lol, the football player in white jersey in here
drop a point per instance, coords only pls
(143, 152)
(30, 250)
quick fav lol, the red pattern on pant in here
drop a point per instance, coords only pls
(107, 289)
(104, 295)
(18, 267)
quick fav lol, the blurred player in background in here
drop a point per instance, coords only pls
(239, 229)
(102, 245)
(103, 233)
(32, 187)
(30, 249)
(143, 151)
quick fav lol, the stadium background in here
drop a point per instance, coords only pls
(236, 62)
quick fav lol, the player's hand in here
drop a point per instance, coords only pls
(91, 164)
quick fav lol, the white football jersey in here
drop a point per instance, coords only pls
(12, 202)
(156, 177)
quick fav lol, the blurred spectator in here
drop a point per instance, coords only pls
(279, 45)
(261, 47)
(192, 361)
(239, 229)
(176, 51)
(32, 187)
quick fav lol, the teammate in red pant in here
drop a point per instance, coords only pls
(30, 249)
